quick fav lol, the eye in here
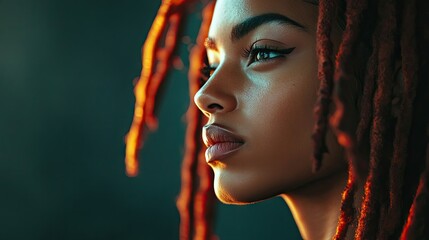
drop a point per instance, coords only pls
(206, 72)
(264, 53)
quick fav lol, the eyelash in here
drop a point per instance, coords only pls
(252, 52)
(206, 72)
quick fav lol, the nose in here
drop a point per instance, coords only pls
(216, 96)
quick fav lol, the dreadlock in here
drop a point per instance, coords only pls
(396, 143)
(195, 206)
(377, 36)
(324, 50)
(196, 197)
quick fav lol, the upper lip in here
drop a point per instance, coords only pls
(213, 134)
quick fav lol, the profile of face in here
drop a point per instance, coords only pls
(260, 97)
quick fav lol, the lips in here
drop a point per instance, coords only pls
(220, 142)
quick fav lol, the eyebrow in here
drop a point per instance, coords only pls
(242, 29)
(248, 25)
(313, 2)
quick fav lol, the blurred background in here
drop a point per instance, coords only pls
(66, 102)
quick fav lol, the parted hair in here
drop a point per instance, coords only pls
(381, 122)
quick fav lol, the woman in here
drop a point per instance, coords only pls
(268, 63)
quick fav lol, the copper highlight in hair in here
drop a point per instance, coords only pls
(419, 211)
(196, 196)
(155, 61)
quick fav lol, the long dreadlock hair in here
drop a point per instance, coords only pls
(384, 52)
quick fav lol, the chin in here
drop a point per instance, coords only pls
(231, 197)
(238, 191)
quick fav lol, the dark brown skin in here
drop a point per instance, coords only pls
(269, 103)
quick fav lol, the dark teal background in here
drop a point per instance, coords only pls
(66, 100)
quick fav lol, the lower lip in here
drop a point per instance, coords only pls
(221, 150)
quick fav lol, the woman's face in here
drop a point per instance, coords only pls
(262, 93)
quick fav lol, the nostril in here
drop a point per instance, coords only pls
(215, 106)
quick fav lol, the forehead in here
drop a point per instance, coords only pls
(231, 12)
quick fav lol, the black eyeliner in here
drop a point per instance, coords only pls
(251, 53)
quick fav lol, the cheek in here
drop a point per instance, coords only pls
(285, 120)
(286, 95)
(276, 115)
(282, 109)
(278, 119)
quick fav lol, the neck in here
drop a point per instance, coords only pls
(316, 206)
